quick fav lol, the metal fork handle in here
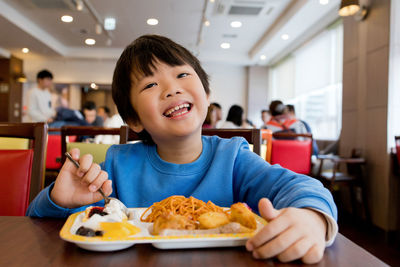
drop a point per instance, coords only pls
(68, 155)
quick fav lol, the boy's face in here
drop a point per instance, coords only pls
(171, 103)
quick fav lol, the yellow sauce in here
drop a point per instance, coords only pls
(118, 230)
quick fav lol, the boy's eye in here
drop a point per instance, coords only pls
(150, 85)
(182, 75)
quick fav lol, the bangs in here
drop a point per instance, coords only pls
(148, 52)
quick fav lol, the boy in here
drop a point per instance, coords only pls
(162, 92)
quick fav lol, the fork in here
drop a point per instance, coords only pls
(106, 198)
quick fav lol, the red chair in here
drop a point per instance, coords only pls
(22, 170)
(53, 155)
(294, 155)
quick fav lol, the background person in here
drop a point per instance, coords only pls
(89, 112)
(39, 102)
(218, 110)
(265, 117)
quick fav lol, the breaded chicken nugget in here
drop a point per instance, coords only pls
(212, 219)
(242, 214)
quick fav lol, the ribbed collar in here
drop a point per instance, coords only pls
(183, 169)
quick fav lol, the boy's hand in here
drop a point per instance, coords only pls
(290, 234)
(78, 187)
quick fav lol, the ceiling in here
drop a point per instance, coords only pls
(36, 24)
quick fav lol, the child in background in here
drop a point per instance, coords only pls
(162, 93)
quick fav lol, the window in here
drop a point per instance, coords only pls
(310, 78)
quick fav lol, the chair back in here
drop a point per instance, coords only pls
(253, 136)
(53, 154)
(266, 136)
(22, 175)
(294, 155)
(97, 150)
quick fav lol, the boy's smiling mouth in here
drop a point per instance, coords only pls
(177, 110)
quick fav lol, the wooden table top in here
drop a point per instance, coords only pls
(35, 242)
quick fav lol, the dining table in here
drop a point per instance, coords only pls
(27, 241)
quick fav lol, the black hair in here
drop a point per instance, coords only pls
(235, 115)
(266, 110)
(291, 108)
(106, 110)
(89, 105)
(215, 104)
(44, 74)
(138, 59)
(277, 108)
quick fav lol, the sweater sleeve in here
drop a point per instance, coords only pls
(254, 178)
(43, 206)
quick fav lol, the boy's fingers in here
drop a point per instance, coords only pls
(267, 233)
(75, 153)
(313, 255)
(295, 251)
(98, 181)
(278, 244)
(91, 174)
(107, 187)
(85, 163)
(267, 210)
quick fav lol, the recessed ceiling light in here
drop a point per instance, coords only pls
(263, 57)
(25, 50)
(212, 1)
(67, 18)
(324, 2)
(236, 24)
(225, 45)
(285, 36)
(94, 86)
(206, 23)
(152, 21)
(90, 41)
(109, 24)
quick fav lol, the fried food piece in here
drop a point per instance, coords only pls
(172, 221)
(212, 219)
(242, 214)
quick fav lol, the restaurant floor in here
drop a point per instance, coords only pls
(372, 239)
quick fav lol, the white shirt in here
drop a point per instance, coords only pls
(39, 105)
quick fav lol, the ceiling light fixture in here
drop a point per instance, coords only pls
(152, 21)
(324, 2)
(67, 18)
(236, 24)
(109, 24)
(263, 57)
(98, 28)
(225, 45)
(352, 7)
(79, 5)
(94, 86)
(207, 23)
(90, 41)
(285, 36)
(25, 50)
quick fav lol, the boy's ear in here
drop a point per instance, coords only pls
(137, 127)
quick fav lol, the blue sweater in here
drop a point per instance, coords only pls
(226, 172)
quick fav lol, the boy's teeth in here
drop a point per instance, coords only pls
(169, 112)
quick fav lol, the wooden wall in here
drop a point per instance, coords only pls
(365, 103)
